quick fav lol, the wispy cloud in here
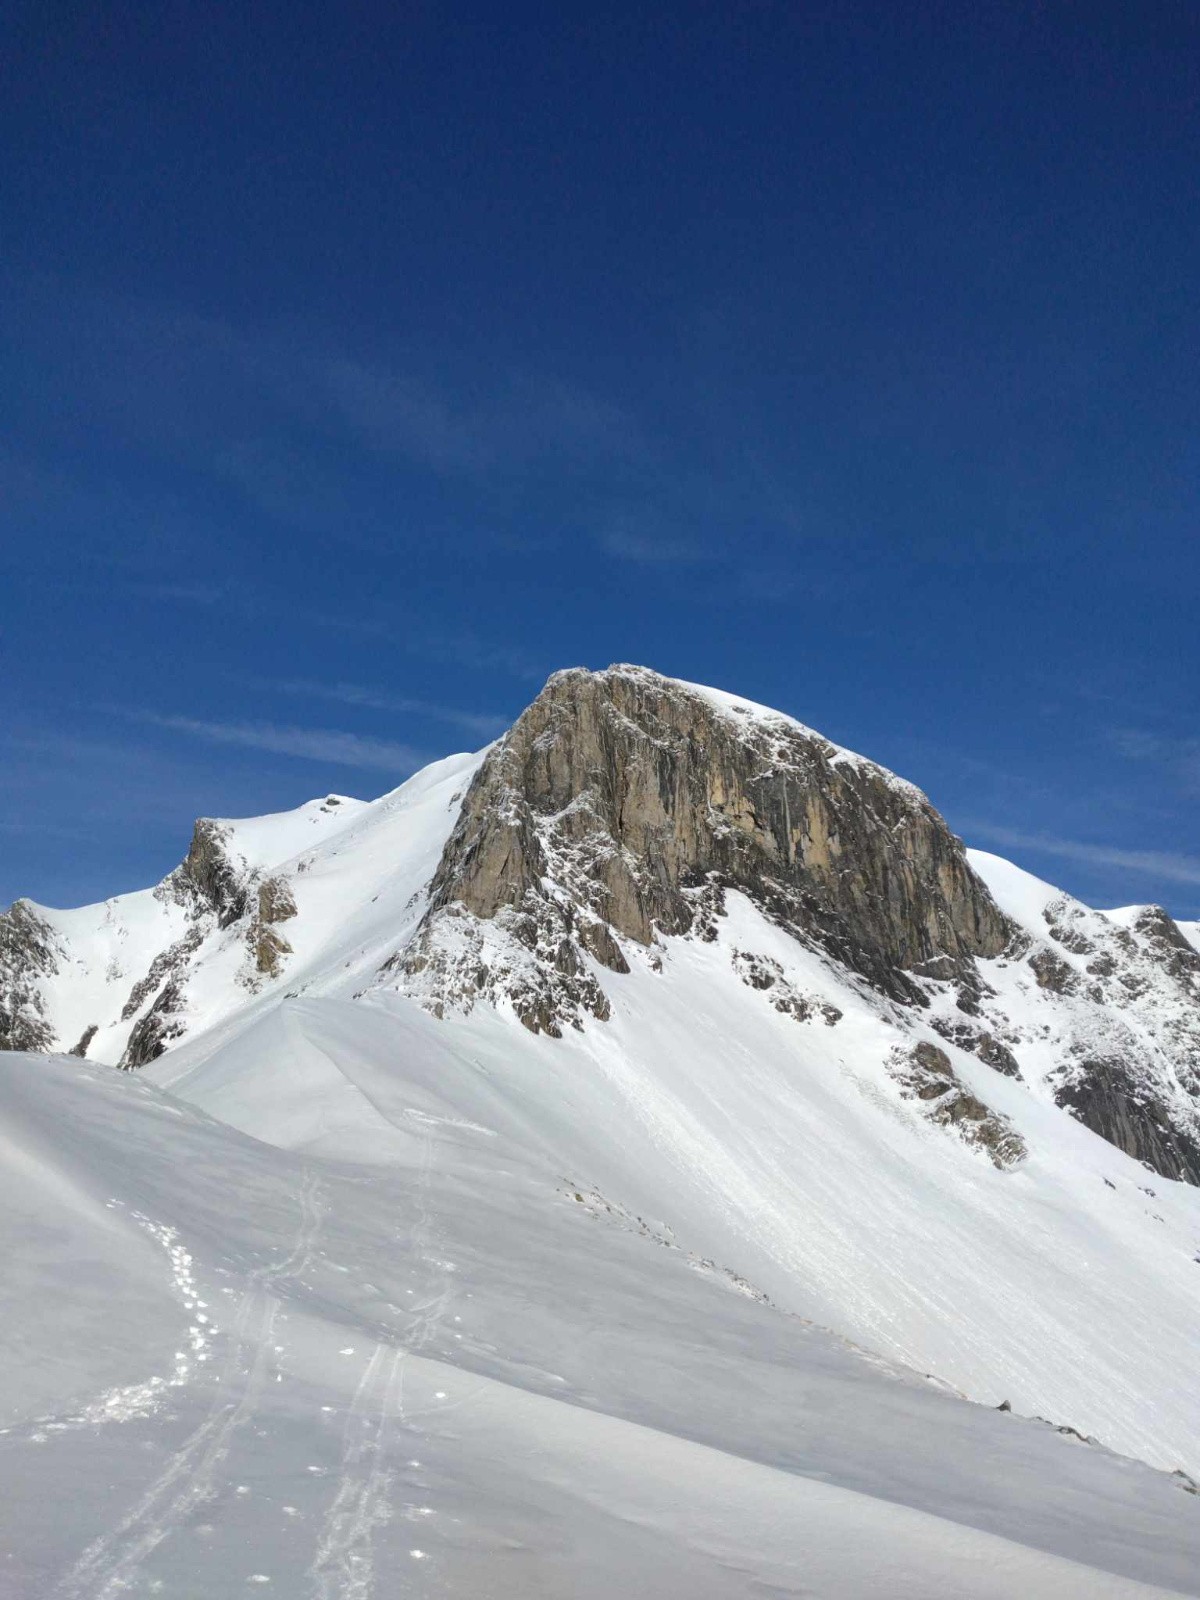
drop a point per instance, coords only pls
(113, 525)
(61, 776)
(192, 594)
(352, 694)
(457, 649)
(1180, 756)
(526, 417)
(1170, 866)
(484, 655)
(328, 745)
(206, 385)
(316, 436)
(647, 546)
(51, 830)
(119, 589)
(1137, 744)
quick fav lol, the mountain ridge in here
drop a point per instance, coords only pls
(616, 814)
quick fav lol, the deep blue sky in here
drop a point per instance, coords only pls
(362, 364)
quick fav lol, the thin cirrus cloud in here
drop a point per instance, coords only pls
(315, 439)
(193, 594)
(1179, 756)
(117, 526)
(1170, 866)
(458, 649)
(648, 548)
(330, 746)
(353, 694)
(525, 418)
(233, 396)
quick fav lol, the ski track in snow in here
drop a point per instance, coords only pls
(344, 1567)
(111, 1563)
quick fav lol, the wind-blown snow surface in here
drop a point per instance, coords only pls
(244, 1369)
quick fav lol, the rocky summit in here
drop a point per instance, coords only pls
(622, 806)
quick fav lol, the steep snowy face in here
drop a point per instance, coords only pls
(623, 806)
(1103, 1011)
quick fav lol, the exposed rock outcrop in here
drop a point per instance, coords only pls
(1166, 939)
(620, 797)
(765, 974)
(152, 1033)
(274, 903)
(85, 1039)
(924, 1073)
(1112, 1097)
(209, 878)
(166, 965)
(979, 1042)
(29, 951)
(1053, 973)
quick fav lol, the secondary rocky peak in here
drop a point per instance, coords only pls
(209, 877)
(623, 805)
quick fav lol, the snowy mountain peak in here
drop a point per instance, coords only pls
(623, 806)
(607, 832)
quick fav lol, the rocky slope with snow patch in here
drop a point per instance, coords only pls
(1103, 1011)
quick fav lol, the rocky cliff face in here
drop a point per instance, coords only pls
(623, 805)
(210, 880)
(29, 952)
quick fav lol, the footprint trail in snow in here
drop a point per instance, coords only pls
(111, 1564)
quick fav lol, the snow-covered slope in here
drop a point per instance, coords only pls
(191, 951)
(785, 1150)
(234, 1368)
(573, 1089)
